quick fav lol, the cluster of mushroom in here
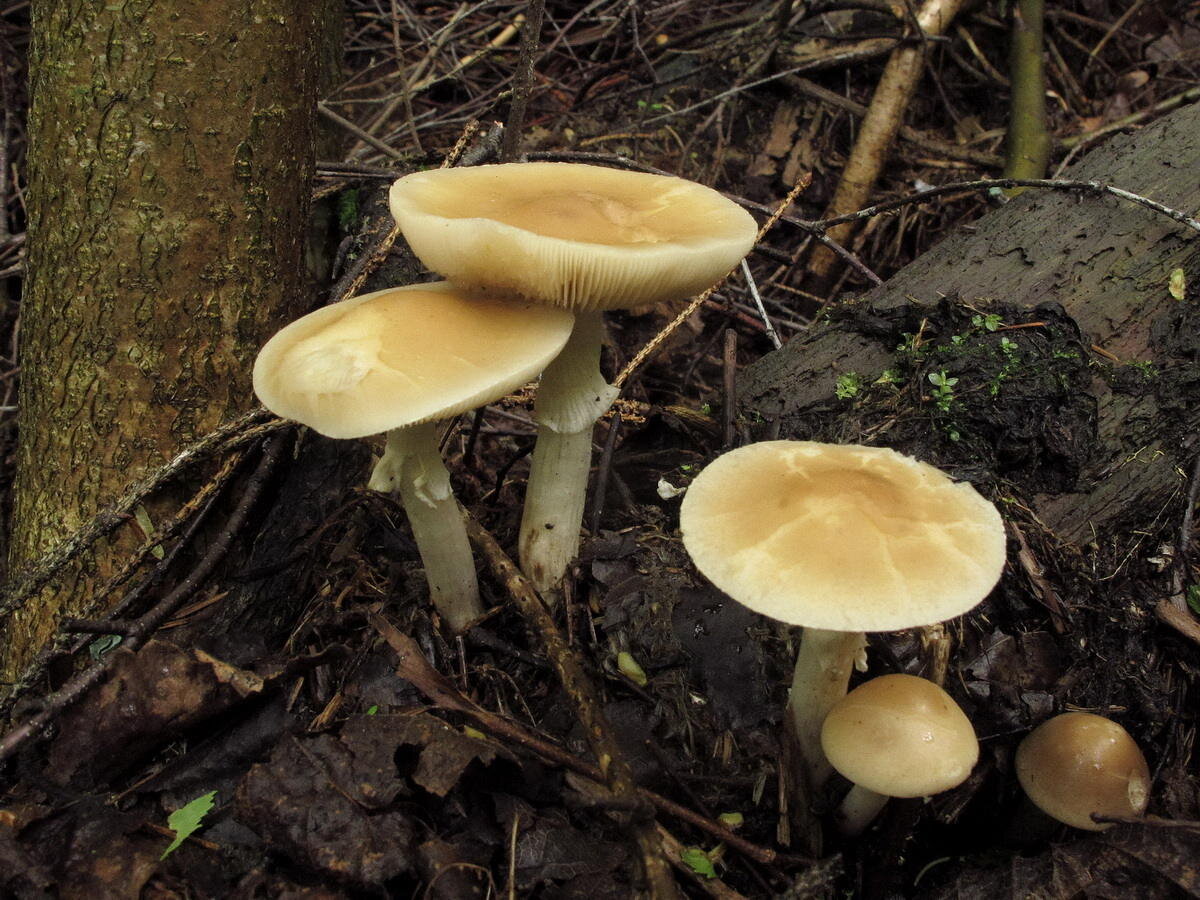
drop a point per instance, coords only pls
(848, 539)
(534, 252)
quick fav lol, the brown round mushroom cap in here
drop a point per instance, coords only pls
(841, 537)
(403, 356)
(584, 237)
(1076, 764)
(900, 736)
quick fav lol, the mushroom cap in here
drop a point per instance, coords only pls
(841, 537)
(579, 236)
(1076, 764)
(403, 356)
(900, 736)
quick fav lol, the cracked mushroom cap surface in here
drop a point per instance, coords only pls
(900, 736)
(578, 236)
(1076, 764)
(841, 537)
(403, 356)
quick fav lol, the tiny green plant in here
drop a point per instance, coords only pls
(1007, 347)
(849, 386)
(908, 344)
(731, 820)
(698, 861)
(185, 820)
(987, 321)
(890, 376)
(1193, 598)
(943, 389)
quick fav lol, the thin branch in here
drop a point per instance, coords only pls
(233, 434)
(1086, 187)
(78, 686)
(614, 768)
(530, 41)
(415, 669)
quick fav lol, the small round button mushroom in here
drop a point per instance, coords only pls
(1079, 764)
(896, 736)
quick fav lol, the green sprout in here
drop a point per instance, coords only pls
(848, 386)
(890, 376)
(988, 321)
(943, 389)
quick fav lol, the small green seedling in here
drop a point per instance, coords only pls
(187, 819)
(731, 820)
(1193, 598)
(697, 860)
(943, 389)
(890, 376)
(1007, 347)
(848, 386)
(988, 322)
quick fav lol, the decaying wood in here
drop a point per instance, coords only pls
(1107, 264)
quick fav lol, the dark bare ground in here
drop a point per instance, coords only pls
(335, 778)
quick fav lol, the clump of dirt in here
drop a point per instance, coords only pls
(996, 391)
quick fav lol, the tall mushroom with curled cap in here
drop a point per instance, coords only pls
(586, 238)
(842, 540)
(397, 361)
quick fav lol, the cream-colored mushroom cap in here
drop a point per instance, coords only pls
(584, 237)
(1076, 764)
(841, 537)
(402, 356)
(900, 736)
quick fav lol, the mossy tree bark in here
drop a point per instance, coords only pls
(171, 145)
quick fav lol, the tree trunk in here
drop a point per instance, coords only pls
(1094, 413)
(171, 145)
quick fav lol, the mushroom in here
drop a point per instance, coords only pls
(1076, 765)
(583, 237)
(841, 540)
(896, 736)
(397, 361)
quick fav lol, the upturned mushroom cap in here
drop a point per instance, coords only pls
(579, 236)
(844, 538)
(403, 356)
(1076, 764)
(900, 736)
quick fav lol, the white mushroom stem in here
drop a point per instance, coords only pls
(412, 466)
(819, 681)
(858, 810)
(571, 396)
